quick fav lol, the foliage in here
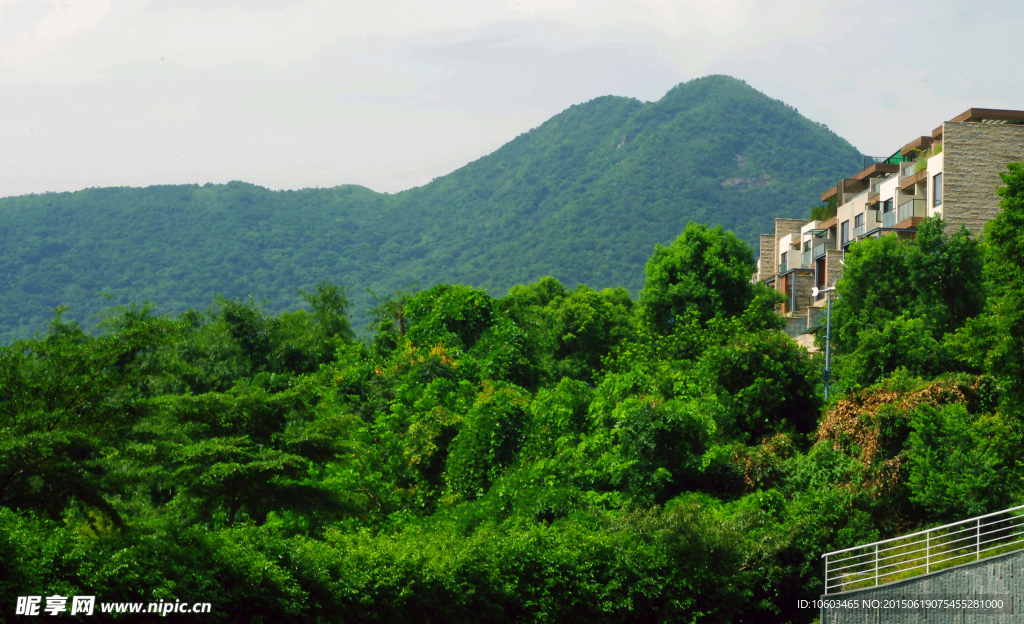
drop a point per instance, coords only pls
(922, 163)
(704, 273)
(65, 398)
(555, 454)
(1006, 310)
(900, 299)
(961, 464)
(826, 211)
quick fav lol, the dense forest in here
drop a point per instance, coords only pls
(583, 198)
(557, 454)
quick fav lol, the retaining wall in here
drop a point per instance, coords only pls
(1001, 576)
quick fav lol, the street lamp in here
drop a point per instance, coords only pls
(828, 332)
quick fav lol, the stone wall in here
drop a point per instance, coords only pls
(973, 156)
(1001, 576)
(766, 259)
(804, 284)
(807, 342)
(788, 226)
(833, 268)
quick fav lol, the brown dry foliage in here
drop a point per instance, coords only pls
(855, 422)
(762, 464)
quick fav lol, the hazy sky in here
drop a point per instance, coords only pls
(291, 94)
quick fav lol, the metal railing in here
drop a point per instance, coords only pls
(796, 327)
(925, 551)
(876, 185)
(817, 318)
(819, 250)
(910, 209)
(889, 219)
(805, 259)
(890, 160)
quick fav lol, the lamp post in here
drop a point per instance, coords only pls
(828, 333)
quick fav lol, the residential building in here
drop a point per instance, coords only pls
(954, 172)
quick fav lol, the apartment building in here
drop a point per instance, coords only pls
(954, 172)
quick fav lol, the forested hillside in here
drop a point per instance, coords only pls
(583, 198)
(554, 455)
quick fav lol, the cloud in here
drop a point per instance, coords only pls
(289, 93)
(540, 6)
(71, 16)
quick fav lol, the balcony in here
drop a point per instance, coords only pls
(859, 231)
(819, 250)
(889, 219)
(805, 259)
(912, 208)
(912, 179)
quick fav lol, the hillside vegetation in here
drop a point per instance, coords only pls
(583, 198)
(554, 455)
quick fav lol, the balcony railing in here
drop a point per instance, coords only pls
(858, 231)
(895, 159)
(796, 327)
(876, 185)
(805, 259)
(912, 208)
(889, 219)
(818, 318)
(782, 268)
(819, 250)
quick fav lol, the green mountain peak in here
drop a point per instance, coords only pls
(583, 197)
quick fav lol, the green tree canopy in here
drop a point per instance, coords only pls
(705, 272)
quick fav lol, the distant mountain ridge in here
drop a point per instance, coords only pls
(584, 197)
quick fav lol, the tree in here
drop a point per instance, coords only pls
(961, 464)
(876, 287)
(1006, 238)
(900, 298)
(704, 271)
(455, 315)
(67, 396)
(765, 381)
(489, 441)
(946, 273)
(572, 330)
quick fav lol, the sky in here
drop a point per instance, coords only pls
(390, 94)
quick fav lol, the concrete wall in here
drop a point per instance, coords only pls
(996, 576)
(973, 156)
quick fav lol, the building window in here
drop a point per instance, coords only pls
(858, 221)
(937, 190)
(887, 206)
(846, 232)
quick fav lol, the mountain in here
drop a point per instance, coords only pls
(584, 197)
